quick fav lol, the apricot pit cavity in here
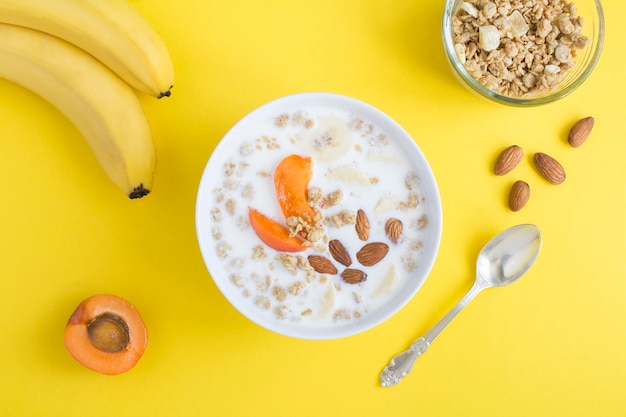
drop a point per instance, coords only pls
(109, 333)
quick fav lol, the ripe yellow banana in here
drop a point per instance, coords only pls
(111, 30)
(104, 108)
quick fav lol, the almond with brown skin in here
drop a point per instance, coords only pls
(339, 252)
(393, 229)
(372, 253)
(519, 195)
(322, 265)
(580, 131)
(508, 159)
(362, 225)
(549, 168)
(353, 276)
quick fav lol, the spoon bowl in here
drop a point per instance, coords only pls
(508, 256)
(502, 261)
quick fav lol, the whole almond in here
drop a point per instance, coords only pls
(372, 253)
(362, 225)
(550, 168)
(393, 229)
(322, 265)
(339, 252)
(519, 195)
(508, 159)
(353, 276)
(580, 131)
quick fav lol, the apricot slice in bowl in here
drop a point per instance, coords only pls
(274, 234)
(291, 181)
(106, 334)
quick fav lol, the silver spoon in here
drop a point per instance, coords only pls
(502, 261)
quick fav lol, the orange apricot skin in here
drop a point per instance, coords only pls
(291, 181)
(274, 234)
(77, 341)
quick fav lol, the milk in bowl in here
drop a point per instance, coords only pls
(318, 216)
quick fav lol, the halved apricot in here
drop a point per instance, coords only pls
(106, 334)
(274, 234)
(291, 180)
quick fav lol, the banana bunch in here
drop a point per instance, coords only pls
(89, 58)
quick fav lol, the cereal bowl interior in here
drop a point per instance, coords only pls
(318, 216)
(523, 53)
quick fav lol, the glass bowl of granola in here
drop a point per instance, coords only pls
(523, 53)
(318, 216)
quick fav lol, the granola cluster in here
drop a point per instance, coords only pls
(518, 47)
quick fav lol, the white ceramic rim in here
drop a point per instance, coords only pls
(429, 189)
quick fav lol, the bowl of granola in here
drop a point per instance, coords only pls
(318, 216)
(523, 53)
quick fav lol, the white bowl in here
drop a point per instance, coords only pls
(221, 270)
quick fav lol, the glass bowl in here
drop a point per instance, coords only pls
(347, 141)
(584, 60)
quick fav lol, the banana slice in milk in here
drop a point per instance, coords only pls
(349, 173)
(387, 203)
(388, 283)
(329, 141)
(382, 157)
(328, 302)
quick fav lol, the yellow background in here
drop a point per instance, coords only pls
(553, 344)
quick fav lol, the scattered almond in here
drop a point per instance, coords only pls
(339, 252)
(550, 168)
(372, 253)
(580, 131)
(519, 195)
(322, 265)
(508, 159)
(353, 276)
(362, 225)
(393, 229)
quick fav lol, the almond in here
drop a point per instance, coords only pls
(393, 229)
(362, 225)
(322, 265)
(508, 159)
(549, 168)
(580, 131)
(372, 253)
(339, 252)
(353, 276)
(519, 195)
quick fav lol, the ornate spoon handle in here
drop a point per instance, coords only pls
(401, 364)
